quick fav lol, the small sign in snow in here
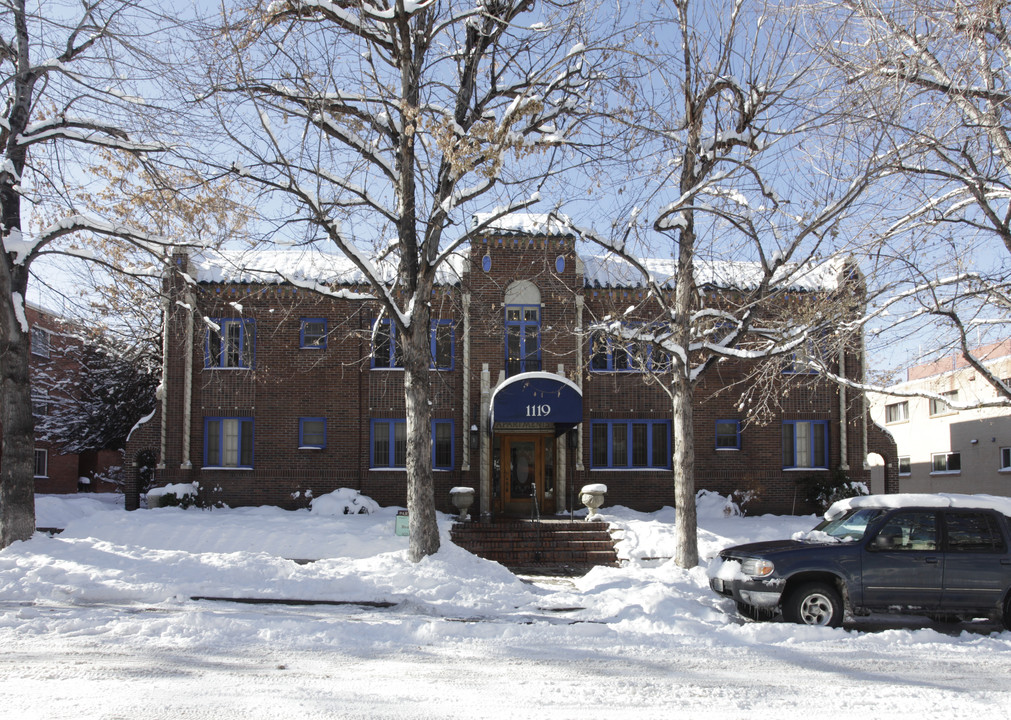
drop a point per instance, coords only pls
(402, 526)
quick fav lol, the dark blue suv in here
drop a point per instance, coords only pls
(936, 555)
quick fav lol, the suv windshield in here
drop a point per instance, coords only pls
(850, 526)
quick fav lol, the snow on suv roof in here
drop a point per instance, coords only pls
(991, 502)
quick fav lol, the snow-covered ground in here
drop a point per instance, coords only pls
(99, 622)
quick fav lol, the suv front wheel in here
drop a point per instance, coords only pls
(814, 604)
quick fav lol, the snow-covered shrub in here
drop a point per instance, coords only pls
(824, 490)
(182, 495)
(344, 501)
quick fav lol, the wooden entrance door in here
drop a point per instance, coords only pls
(527, 481)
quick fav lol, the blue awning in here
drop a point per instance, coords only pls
(538, 397)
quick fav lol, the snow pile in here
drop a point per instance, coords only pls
(709, 504)
(103, 615)
(58, 511)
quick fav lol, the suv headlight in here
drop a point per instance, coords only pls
(757, 567)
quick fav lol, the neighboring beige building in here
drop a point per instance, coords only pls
(943, 449)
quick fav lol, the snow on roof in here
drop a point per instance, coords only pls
(609, 270)
(527, 224)
(274, 267)
(991, 502)
(307, 266)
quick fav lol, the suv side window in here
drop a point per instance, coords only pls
(907, 531)
(970, 532)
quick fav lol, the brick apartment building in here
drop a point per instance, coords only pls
(51, 359)
(274, 394)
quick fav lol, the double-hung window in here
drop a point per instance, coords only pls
(728, 434)
(40, 403)
(940, 406)
(441, 339)
(41, 463)
(230, 343)
(228, 442)
(40, 341)
(630, 444)
(442, 444)
(905, 466)
(312, 334)
(312, 433)
(897, 412)
(805, 444)
(388, 444)
(1005, 458)
(523, 338)
(385, 348)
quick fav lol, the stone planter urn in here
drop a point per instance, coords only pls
(592, 496)
(463, 498)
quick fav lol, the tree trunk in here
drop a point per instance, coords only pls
(17, 468)
(686, 549)
(424, 527)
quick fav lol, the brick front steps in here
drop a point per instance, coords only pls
(544, 547)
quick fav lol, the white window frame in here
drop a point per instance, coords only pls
(942, 407)
(947, 463)
(40, 402)
(42, 454)
(901, 408)
(40, 341)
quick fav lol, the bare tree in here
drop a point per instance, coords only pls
(750, 208)
(933, 78)
(70, 81)
(380, 126)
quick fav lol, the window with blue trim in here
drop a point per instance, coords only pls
(228, 442)
(312, 334)
(608, 354)
(442, 444)
(612, 354)
(728, 434)
(443, 344)
(312, 432)
(386, 352)
(388, 444)
(805, 444)
(385, 348)
(230, 343)
(812, 354)
(630, 444)
(523, 339)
